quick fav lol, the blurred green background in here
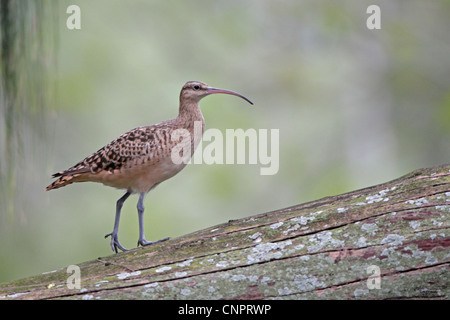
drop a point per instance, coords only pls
(355, 107)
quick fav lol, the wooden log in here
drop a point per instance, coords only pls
(389, 241)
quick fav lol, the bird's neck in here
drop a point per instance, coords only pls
(191, 118)
(189, 113)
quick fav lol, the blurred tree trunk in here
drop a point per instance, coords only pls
(390, 241)
(28, 43)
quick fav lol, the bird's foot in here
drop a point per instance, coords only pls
(115, 244)
(144, 242)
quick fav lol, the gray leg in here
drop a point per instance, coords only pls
(140, 208)
(115, 244)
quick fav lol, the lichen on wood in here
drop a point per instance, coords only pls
(389, 241)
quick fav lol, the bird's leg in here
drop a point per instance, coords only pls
(140, 208)
(115, 244)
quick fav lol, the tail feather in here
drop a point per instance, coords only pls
(66, 177)
(61, 182)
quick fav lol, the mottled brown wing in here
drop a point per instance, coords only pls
(135, 144)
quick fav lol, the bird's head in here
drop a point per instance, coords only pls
(194, 91)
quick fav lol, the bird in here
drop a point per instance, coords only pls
(140, 159)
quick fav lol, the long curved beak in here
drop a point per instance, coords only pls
(215, 90)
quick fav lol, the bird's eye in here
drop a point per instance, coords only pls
(196, 87)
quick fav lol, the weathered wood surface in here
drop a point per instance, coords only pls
(318, 250)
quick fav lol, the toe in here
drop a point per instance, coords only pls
(115, 244)
(144, 242)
